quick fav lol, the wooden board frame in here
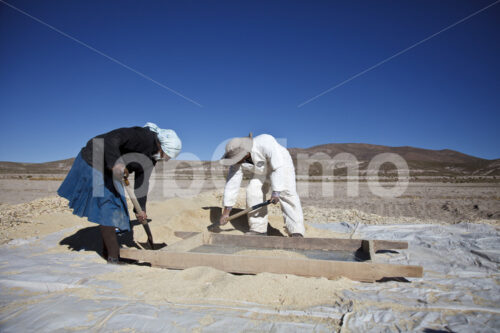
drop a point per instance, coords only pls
(177, 256)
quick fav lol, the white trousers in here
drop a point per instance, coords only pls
(289, 200)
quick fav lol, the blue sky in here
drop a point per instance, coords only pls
(250, 65)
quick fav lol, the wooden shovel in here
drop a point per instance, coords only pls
(138, 209)
(248, 210)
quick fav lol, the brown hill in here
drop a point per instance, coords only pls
(365, 152)
(444, 162)
(61, 166)
(421, 161)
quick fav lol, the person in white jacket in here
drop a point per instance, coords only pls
(267, 160)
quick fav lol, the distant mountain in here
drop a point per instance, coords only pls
(365, 152)
(61, 166)
(423, 162)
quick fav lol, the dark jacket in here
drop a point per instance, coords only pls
(109, 147)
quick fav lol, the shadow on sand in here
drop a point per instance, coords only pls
(90, 239)
(240, 223)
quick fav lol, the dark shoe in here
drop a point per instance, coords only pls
(115, 261)
(255, 233)
(297, 235)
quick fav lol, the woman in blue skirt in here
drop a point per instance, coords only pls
(93, 185)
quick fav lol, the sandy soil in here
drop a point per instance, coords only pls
(430, 202)
(421, 203)
(200, 284)
(15, 191)
(199, 213)
(205, 284)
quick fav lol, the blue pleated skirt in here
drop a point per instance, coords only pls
(95, 196)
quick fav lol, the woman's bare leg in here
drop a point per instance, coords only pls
(110, 242)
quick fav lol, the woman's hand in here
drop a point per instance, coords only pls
(142, 217)
(120, 172)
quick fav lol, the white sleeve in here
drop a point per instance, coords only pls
(277, 179)
(273, 153)
(233, 183)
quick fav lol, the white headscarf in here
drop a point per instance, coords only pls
(169, 141)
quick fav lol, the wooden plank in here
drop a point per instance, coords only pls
(277, 242)
(386, 245)
(369, 248)
(359, 271)
(188, 244)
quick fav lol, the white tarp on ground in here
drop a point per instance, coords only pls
(460, 291)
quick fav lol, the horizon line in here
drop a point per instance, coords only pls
(321, 144)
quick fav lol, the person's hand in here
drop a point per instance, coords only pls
(275, 197)
(225, 216)
(120, 171)
(142, 217)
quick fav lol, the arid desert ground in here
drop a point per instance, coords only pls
(432, 202)
(52, 258)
